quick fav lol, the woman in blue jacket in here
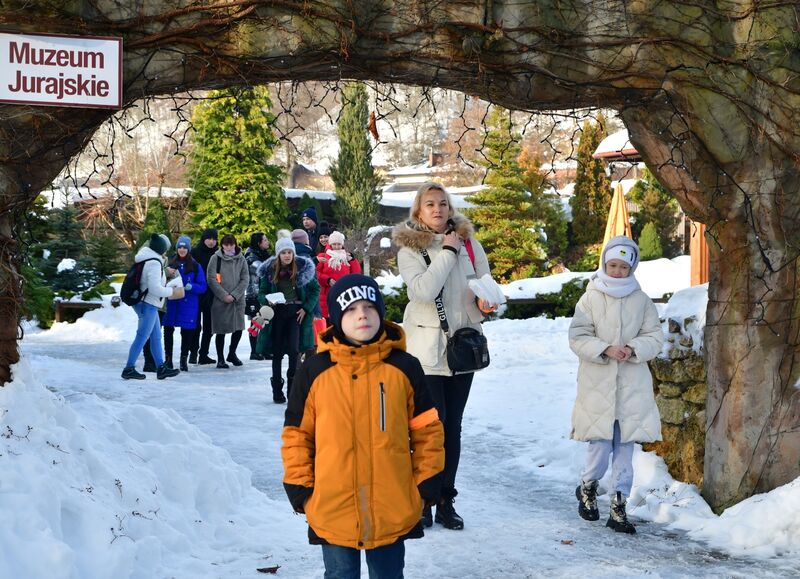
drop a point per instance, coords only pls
(184, 313)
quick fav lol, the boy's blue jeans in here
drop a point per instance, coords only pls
(149, 327)
(383, 562)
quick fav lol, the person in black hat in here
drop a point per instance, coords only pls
(323, 232)
(309, 219)
(361, 386)
(202, 252)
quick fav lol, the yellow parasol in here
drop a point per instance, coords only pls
(618, 222)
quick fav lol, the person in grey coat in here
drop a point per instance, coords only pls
(228, 278)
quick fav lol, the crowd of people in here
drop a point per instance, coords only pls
(372, 431)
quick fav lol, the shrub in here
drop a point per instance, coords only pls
(396, 304)
(556, 304)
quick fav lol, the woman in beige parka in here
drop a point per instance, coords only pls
(614, 332)
(435, 227)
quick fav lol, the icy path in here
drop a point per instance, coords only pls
(516, 477)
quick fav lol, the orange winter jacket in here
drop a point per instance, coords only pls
(362, 442)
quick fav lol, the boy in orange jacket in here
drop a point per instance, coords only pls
(362, 441)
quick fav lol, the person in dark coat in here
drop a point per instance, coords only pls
(290, 330)
(302, 246)
(309, 219)
(184, 313)
(227, 279)
(323, 232)
(256, 254)
(202, 253)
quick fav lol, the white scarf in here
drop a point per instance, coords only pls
(336, 258)
(616, 287)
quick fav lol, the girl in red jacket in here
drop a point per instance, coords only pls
(333, 265)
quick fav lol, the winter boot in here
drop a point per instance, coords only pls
(234, 359)
(193, 358)
(618, 518)
(165, 371)
(254, 355)
(222, 364)
(427, 516)
(184, 365)
(277, 391)
(168, 361)
(586, 493)
(130, 373)
(204, 359)
(447, 516)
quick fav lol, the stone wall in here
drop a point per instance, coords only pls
(679, 382)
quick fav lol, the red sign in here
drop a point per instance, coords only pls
(64, 71)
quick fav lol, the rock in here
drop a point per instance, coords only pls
(679, 354)
(689, 321)
(696, 394)
(674, 326)
(672, 410)
(696, 368)
(686, 341)
(661, 369)
(670, 390)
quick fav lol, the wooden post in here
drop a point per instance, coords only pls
(698, 250)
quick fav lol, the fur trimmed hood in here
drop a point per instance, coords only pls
(416, 236)
(306, 271)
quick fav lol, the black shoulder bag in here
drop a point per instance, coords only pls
(467, 348)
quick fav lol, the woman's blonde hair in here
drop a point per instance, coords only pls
(413, 213)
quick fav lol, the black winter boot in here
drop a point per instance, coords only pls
(427, 516)
(447, 516)
(618, 518)
(205, 359)
(586, 493)
(234, 359)
(277, 391)
(184, 363)
(165, 371)
(130, 373)
(254, 355)
(168, 361)
(193, 358)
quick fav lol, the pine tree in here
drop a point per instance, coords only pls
(67, 244)
(104, 253)
(545, 205)
(504, 213)
(235, 189)
(155, 221)
(592, 198)
(357, 193)
(649, 244)
(659, 207)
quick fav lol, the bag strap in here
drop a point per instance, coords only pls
(470, 251)
(438, 301)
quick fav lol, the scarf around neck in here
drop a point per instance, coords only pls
(336, 258)
(616, 287)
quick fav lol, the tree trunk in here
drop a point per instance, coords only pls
(708, 91)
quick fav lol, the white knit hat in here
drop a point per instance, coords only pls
(336, 237)
(620, 252)
(283, 244)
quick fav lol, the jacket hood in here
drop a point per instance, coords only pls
(621, 240)
(415, 235)
(305, 269)
(146, 253)
(392, 338)
(252, 255)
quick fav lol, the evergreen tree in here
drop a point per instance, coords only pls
(235, 189)
(592, 197)
(104, 254)
(649, 244)
(545, 205)
(155, 221)
(67, 244)
(357, 193)
(659, 207)
(504, 212)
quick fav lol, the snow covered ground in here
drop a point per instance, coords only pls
(181, 478)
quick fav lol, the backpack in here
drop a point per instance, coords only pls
(130, 292)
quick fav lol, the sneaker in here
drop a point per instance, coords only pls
(206, 360)
(618, 518)
(165, 371)
(234, 359)
(427, 516)
(447, 516)
(130, 373)
(586, 493)
(222, 364)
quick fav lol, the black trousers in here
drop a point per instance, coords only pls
(220, 343)
(188, 337)
(450, 394)
(285, 333)
(203, 338)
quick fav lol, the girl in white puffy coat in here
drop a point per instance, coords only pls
(614, 332)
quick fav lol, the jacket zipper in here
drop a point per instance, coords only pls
(383, 409)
